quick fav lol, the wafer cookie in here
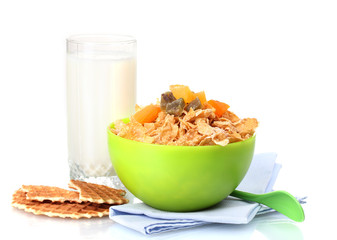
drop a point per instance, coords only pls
(98, 193)
(54, 194)
(57, 209)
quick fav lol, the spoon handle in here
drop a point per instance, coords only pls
(280, 201)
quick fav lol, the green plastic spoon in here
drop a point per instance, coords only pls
(281, 201)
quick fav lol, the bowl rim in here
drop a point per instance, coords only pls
(110, 133)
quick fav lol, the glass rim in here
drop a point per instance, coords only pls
(98, 39)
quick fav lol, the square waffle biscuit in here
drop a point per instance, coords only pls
(58, 209)
(91, 200)
(54, 194)
(98, 193)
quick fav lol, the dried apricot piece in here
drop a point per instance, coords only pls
(220, 107)
(147, 114)
(182, 91)
(202, 97)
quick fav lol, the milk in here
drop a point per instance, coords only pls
(101, 88)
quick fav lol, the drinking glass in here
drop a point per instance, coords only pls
(101, 88)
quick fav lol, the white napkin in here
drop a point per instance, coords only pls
(260, 178)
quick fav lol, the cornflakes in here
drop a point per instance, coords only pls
(195, 127)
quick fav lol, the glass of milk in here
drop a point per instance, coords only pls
(101, 88)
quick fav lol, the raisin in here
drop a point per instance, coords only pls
(176, 107)
(166, 98)
(195, 104)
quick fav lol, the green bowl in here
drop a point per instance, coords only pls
(179, 178)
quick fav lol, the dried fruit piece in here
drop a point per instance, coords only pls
(182, 91)
(147, 114)
(220, 107)
(195, 104)
(176, 107)
(202, 97)
(166, 98)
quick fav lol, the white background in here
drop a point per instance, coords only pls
(273, 60)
